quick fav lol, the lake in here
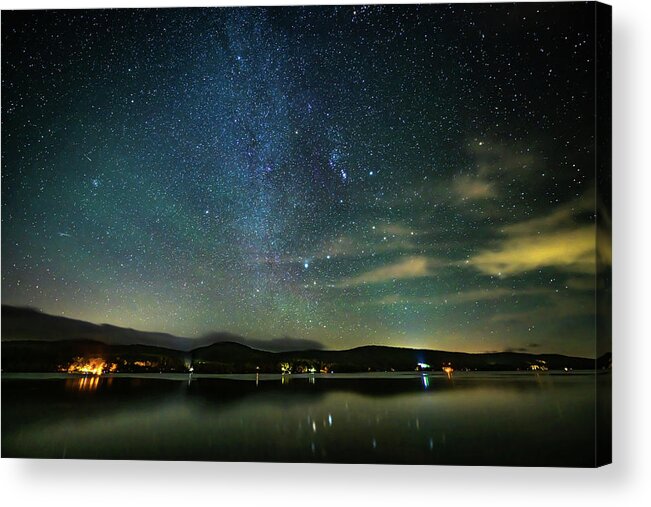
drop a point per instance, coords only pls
(471, 418)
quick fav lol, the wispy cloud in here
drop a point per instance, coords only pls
(555, 240)
(464, 297)
(474, 188)
(397, 229)
(516, 349)
(407, 268)
(381, 238)
(562, 217)
(526, 348)
(572, 250)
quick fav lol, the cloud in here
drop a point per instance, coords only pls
(571, 250)
(397, 230)
(464, 297)
(471, 296)
(394, 299)
(561, 217)
(556, 240)
(408, 268)
(515, 349)
(383, 238)
(474, 188)
(392, 237)
(522, 349)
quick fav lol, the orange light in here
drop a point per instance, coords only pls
(91, 366)
(448, 370)
(144, 364)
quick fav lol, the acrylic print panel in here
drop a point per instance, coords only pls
(367, 234)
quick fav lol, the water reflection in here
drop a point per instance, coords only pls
(478, 419)
(87, 383)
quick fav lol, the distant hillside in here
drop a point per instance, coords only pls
(228, 357)
(34, 341)
(20, 323)
(383, 358)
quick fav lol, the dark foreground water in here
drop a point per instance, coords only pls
(470, 419)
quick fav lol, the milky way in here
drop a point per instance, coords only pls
(414, 176)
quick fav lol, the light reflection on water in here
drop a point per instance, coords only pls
(87, 382)
(475, 419)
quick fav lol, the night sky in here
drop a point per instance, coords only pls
(416, 176)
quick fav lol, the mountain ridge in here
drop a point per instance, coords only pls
(21, 351)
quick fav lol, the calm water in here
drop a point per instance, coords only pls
(472, 418)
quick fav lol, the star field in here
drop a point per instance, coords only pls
(415, 176)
